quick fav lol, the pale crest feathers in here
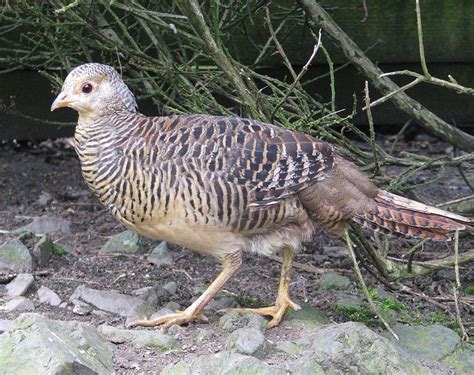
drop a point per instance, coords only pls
(95, 69)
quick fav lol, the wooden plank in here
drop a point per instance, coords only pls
(388, 31)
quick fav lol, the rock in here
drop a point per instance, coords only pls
(5, 325)
(233, 320)
(332, 280)
(36, 345)
(221, 303)
(171, 288)
(44, 199)
(173, 306)
(230, 321)
(81, 308)
(353, 348)
(43, 250)
(249, 341)
(222, 363)
(139, 338)
(177, 331)
(110, 301)
(307, 313)
(462, 361)
(160, 255)
(19, 304)
(445, 274)
(49, 225)
(289, 348)
(152, 298)
(126, 242)
(46, 295)
(20, 284)
(15, 256)
(433, 342)
(203, 335)
(336, 252)
(142, 292)
(252, 320)
(161, 312)
(346, 301)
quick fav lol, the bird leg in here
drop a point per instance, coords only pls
(283, 298)
(231, 264)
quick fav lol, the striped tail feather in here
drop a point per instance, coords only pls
(400, 216)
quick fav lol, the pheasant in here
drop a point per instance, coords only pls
(226, 185)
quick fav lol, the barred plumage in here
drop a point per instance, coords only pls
(223, 185)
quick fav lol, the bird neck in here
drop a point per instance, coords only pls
(106, 124)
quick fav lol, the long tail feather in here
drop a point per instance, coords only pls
(403, 217)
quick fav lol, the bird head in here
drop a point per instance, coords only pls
(94, 90)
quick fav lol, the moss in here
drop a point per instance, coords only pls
(362, 315)
(468, 289)
(250, 302)
(58, 250)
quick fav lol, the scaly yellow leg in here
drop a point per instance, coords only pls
(283, 298)
(231, 264)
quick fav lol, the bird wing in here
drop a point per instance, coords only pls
(270, 162)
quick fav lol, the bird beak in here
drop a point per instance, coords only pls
(60, 101)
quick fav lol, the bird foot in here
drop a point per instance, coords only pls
(166, 321)
(276, 312)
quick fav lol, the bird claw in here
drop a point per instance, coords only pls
(166, 321)
(276, 312)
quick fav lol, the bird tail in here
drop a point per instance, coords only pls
(400, 216)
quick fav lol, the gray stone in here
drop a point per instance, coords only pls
(462, 361)
(225, 363)
(43, 250)
(177, 331)
(289, 348)
(125, 242)
(307, 313)
(20, 284)
(230, 321)
(142, 292)
(162, 312)
(203, 335)
(46, 295)
(49, 225)
(252, 320)
(155, 295)
(332, 280)
(353, 348)
(347, 301)
(36, 345)
(110, 301)
(19, 304)
(446, 274)
(171, 287)
(173, 306)
(432, 342)
(337, 252)
(81, 308)
(15, 256)
(139, 338)
(44, 199)
(5, 325)
(221, 303)
(160, 255)
(249, 341)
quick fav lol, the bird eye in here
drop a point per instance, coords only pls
(86, 88)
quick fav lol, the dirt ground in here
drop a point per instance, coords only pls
(28, 170)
